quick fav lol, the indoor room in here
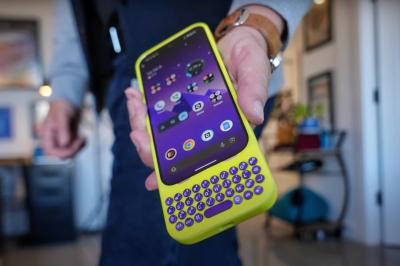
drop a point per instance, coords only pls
(97, 169)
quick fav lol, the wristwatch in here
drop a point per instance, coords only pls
(244, 17)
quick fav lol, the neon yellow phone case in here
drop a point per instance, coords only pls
(233, 211)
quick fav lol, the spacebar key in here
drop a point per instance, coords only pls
(223, 206)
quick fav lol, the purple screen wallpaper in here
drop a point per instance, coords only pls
(194, 121)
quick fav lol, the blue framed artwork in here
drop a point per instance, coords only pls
(5, 123)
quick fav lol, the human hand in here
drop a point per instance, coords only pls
(244, 51)
(59, 131)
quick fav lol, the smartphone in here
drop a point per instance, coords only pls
(211, 172)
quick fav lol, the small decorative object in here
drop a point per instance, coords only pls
(318, 25)
(320, 95)
(19, 54)
(5, 123)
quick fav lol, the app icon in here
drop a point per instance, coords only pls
(155, 88)
(216, 97)
(189, 144)
(226, 125)
(194, 68)
(207, 135)
(159, 105)
(208, 78)
(170, 154)
(161, 127)
(173, 169)
(176, 96)
(170, 79)
(183, 116)
(198, 106)
(192, 87)
(172, 121)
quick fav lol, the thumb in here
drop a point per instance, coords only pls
(63, 129)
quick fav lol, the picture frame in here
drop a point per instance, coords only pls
(20, 64)
(320, 92)
(6, 123)
(318, 25)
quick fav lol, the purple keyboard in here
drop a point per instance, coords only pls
(215, 195)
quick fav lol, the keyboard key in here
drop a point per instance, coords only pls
(173, 219)
(258, 190)
(198, 196)
(189, 222)
(205, 184)
(182, 215)
(201, 206)
(260, 178)
(179, 226)
(249, 183)
(227, 183)
(224, 174)
(217, 188)
(219, 197)
(239, 188)
(236, 179)
(233, 170)
(196, 188)
(242, 165)
(237, 199)
(253, 160)
(170, 209)
(189, 201)
(223, 206)
(198, 217)
(246, 174)
(207, 192)
(180, 205)
(214, 179)
(191, 210)
(210, 201)
(169, 201)
(248, 194)
(178, 196)
(256, 169)
(187, 192)
(229, 192)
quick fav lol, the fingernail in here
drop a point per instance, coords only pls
(259, 110)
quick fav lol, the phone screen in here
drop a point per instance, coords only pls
(194, 121)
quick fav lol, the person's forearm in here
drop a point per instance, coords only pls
(68, 74)
(285, 14)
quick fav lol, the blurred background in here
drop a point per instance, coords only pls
(332, 143)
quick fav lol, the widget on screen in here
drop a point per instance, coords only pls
(208, 78)
(155, 88)
(170, 79)
(176, 96)
(170, 154)
(207, 135)
(192, 87)
(159, 106)
(189, 144)
(194, 68)
(198, 106)
(216, 97)
(226, 125)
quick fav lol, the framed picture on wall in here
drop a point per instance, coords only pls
(6, 129)
(20, 66)
(320, 94)
(318, 25)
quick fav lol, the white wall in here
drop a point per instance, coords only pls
(21, 100)
(349, 57)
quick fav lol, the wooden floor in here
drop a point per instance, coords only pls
(259, 246)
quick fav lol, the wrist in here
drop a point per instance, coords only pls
(269, 13)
